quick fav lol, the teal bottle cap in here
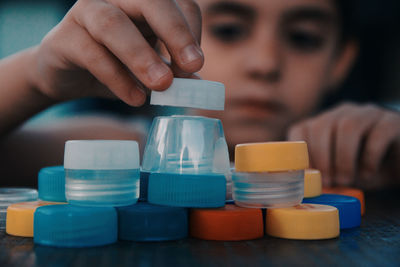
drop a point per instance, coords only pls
(51, 184)
(75, 226)
(187, 190)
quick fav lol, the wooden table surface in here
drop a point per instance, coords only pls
(375, 243)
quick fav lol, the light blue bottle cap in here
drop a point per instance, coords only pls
(187, 190)
(10, 195)
(75, 226)
(191, 93)
(102, 172)
(51, 183)
(146, 222)
(349, 208)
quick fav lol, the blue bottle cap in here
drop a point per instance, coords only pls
(75, 226)
(349, 208)
(146, 222)
(51, 184)
(187, 190)
(144, 185)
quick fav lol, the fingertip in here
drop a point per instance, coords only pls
(161, 77)
(137, 97)
(191, 58)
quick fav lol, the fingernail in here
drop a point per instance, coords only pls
(157, 71)
(190, 53)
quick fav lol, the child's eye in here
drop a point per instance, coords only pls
(229, 32)
(305, 41)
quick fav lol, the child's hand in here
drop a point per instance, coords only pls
(109, 44)
(353, 141)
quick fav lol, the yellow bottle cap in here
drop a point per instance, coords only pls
(20, 217)
(304, 221)
(271, 157)
(312, 183)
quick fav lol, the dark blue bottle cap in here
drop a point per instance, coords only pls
(51, 184)
(144, 185)
(187, 190)
(146, 222)
(349, 208)
(75, 226)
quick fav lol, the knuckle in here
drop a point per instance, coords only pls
(346, 125)
(108, 18)
(190, 7)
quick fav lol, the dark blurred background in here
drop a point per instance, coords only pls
(376, 76)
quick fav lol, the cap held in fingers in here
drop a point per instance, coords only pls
(191, 93)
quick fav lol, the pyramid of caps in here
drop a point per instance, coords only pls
(184, 186)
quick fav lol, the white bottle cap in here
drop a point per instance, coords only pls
(191, 93)
(101, 155)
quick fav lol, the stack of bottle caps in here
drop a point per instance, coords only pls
(185, 186)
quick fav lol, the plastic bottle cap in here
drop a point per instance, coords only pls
(101, 155)
(186, 144)
(229, 223)
(102, 188)
(349, 208)
(305, 221)
(9, 195)
(75, 226)
(187, 190)
(268, 189)
(191, 93)
(346, 191)
(51, 183)
(20, 217)
(146, 222)
(271, 157)
(312, 183)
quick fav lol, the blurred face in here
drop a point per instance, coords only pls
(276, 58)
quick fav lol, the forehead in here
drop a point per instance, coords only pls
(271, 8)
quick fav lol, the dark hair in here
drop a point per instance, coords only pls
(348, 22)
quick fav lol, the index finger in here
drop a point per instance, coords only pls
(169, 23)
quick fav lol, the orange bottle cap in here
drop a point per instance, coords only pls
(229, 223)
(347, 191)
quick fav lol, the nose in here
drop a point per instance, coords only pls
(262, 60)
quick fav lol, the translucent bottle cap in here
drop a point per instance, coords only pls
(9, 195)
(347, 191)
(187, 190)
(268, 189)
(146, 222)
(229, 223)
(51, 184)
(75, 226)
(271, 157)
(14, 194)
(349, 208)
(102, 188)
(305, 222)
(20, 217)
(186, 144)
(312, 183)
(191, 93)
(101, 155)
